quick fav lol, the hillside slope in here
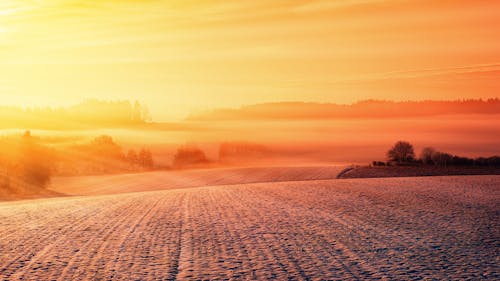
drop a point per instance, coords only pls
(111, 184)
(357, 229)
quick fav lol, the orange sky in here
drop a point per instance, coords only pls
(184, 55)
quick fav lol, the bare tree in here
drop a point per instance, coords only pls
(442, 158)
(427, 155)
(132, 157)
(146, 158)
(401, 152)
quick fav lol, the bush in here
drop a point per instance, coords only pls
(35, 162)
(189, 156)
(36, 174)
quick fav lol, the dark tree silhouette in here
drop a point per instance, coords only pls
(442, 158)
(427, 154)
(401, 152)
(430, 155)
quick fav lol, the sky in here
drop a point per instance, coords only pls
(180, 56)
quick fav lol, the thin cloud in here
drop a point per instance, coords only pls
(415, 74)
(322, 5)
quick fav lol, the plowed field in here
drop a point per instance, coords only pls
(389, 229)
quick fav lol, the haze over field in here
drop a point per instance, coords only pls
(310, 132)
(249, 140)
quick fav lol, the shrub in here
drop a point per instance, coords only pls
(36, 174)
(35, 162)
(189, 156)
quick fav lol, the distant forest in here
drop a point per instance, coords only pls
(98, 114)
(362, 109)
(88, 114)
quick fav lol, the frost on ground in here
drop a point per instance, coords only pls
(390, 229)
(161, 180)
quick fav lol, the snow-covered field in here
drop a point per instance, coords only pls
(442, 228)
(162, 180)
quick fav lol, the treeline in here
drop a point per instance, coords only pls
(430, 156)
(102, 155)
(190, 156)
(362, 109)
(88, 114)
(25, 161)
(402, 153)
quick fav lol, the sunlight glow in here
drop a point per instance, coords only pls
(199, 55)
